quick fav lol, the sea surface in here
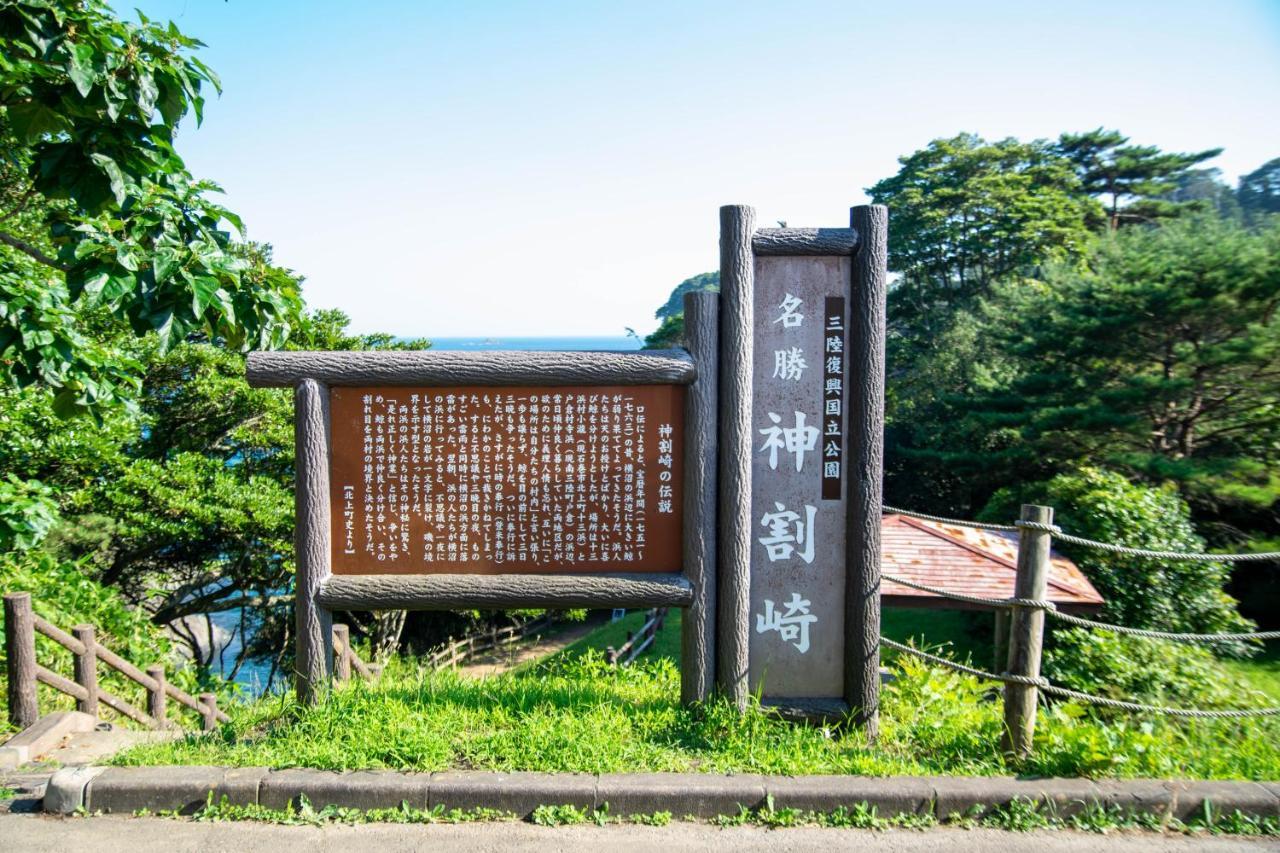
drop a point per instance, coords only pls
(543, 344)
(252, 676)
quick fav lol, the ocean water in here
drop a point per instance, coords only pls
(540, 344)
(252, 676)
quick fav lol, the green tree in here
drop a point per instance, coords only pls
(670, 333)
(1162, 356)
(1259, 191)
(965, 213)
(101, 214)
(1132, 178)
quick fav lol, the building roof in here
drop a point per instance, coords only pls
(969, 561)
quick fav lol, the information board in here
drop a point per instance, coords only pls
(496, 480)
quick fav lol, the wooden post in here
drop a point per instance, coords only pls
(209, 711)
(156, 700)
(701, 411)
(342, 653)
(733, 521)
(1001, 644)
(314, 624)
(1026, 633)
(865, 465)
(86, 669)
(20, 652)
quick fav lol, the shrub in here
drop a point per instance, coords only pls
(1138, 669)
(1140, 592)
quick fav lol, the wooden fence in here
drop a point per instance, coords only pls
(21, 625)
(460, 650)
(639, 641)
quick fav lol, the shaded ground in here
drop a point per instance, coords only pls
(31, 833)
(526, 651)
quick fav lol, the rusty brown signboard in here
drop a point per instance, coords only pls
(506, 480)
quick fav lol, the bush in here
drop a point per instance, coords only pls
(1140, 592)
(1138, 669)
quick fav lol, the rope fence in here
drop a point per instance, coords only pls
(1066, 693)
(1058, 533)
(1052, 609)
(1024, 626)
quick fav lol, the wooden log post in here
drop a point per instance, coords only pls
(698, 625)
(1026, 633)
(733, 520)
(209, 711)
(1001, 657)
(157, 705)
(20, 654)
(86, 668)
(865, 465)
(342, 653)
(313, 623)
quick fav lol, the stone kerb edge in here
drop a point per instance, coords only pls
(128, 789)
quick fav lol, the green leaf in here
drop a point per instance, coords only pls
(147, 95)
(114, 175)
(66, 403)
(204, 292)
(80, 69)
(164, 331)
(32, 121)
(164, 263)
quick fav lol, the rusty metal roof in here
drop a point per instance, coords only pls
(969, 561)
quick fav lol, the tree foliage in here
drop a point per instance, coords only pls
(1162, 355)
(964, 212)
(1131, 178)
(1139, 591)
(100, 212)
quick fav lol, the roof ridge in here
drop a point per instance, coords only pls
(995, 558)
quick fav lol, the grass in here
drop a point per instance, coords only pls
(665, 645)
(965, 635)
(1261, 672)
(575, 713)
(1017, 816)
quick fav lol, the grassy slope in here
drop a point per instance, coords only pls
(1261, 672)
(573, 713)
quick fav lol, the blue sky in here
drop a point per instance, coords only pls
(555, 168)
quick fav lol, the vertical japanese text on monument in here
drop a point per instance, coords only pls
(504, 479)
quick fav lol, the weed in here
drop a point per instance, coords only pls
(559, 815)
(655, 819)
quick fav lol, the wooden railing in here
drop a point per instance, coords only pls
(345, 659)
(21, 625)
(460, 650)
(637, 643)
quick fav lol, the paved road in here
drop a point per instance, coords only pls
(30, 833)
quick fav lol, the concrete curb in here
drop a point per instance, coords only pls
(704, 795)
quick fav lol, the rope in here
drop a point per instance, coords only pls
(1054, 690)
(1164, 635)
(1192, 713)
(1056, 531)
(1007, 677)
(980, 525)
(1006, 603)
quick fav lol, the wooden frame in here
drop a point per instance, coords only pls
(866, 241)
(319, 592)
